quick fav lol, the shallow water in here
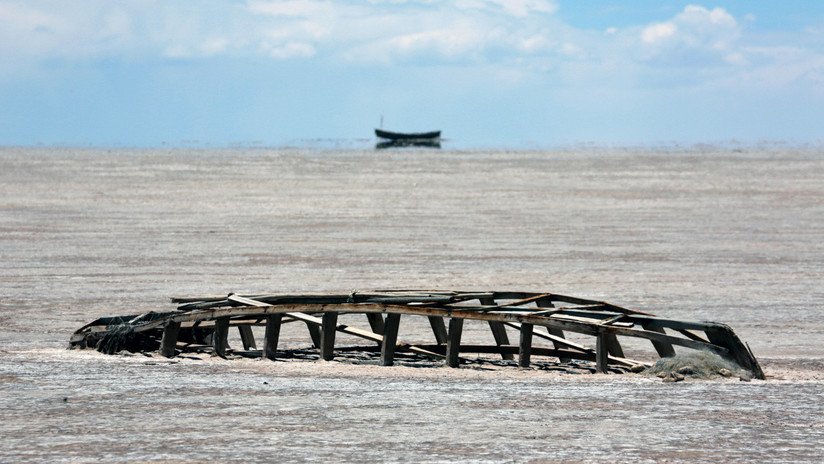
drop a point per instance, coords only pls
(735, 237)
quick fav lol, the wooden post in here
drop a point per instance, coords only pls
(271, 335)
(665, 350)
(501, 338)
(375, 322)
(525, 347)
(247, 337)
(439, 329)
(613, 346)
(498, 330)
(601, 352)
(169, 340)
(327, 337)
(453, 345)
(220, 340)
(547, 303)
(390, 339)
(314, 332)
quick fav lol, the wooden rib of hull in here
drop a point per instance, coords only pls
(203, 323)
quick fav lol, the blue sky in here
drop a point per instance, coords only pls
(489, 73)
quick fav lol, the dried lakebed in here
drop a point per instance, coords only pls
(734, 237)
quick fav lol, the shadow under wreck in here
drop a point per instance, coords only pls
(201, 324)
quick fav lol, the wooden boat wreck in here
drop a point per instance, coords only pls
(201, 324)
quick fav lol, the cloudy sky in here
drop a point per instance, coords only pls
(489, 73)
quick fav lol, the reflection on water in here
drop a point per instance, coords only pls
(424, 143)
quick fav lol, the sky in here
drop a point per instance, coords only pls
(488, 73)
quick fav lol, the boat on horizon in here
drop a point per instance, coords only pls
(408, 136)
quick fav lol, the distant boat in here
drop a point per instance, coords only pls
(408, 136)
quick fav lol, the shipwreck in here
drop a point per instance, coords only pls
(202, 324)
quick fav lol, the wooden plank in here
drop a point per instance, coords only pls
(513, 349)
(247, 337)
(453, 345)
(547, 303)
(220, 338)
(376, 322)
(314, 334)
(652, 321)
(554, 339)
(327, 339)
(271, 335)
(691, 335)
(525, 347)
(501, 338)
(601, 353)
(498, 329)
(664, 350)
(315, 322)
(390, 339)
(523, 301)
(439, 329)
(613, 346)
(169, 340)
(572, 325)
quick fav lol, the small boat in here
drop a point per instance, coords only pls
(422, 136)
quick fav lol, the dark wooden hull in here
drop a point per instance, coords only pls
(434, 135)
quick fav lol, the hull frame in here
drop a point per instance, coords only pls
(201, 324)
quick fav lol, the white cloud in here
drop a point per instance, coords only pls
(292, 8)
(695, 35)
(657, 32)
(292, 50)
(523, 8)
(516, 8)
(520, 36)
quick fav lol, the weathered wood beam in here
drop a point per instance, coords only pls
(220, 337)
(247, 338)
(314, 334)
(315, 322)
(390, 339)
(547, 303)
(271, 335)
(439, 329)
(453, 345)
(572, 325)
(553, 338)
(664, 350)
(498, 330)
(169, 340)
(691, 335)
(376, 322)
(613, 346)
(327, 339)
(501, 338)
(522, 301)
(525, 347)
(601, 352)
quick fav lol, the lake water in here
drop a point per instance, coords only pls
(735, 236)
